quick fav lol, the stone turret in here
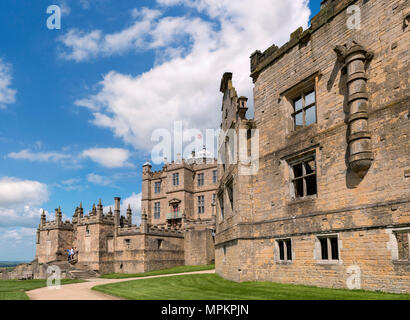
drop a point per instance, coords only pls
(355, 58)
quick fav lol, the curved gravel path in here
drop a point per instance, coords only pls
(82, 291)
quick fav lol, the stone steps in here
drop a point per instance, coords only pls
(83, 274)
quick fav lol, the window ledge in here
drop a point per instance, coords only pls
(284, 262)
(304, 130)
(329, 262)
(304, 199)
(401, 262)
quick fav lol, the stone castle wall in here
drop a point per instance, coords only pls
(363, 212)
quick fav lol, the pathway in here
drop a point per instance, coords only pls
(82, 291)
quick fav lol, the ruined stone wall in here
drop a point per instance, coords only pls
(52, 244)
(138, 253)
(362, 212)
(199, 247)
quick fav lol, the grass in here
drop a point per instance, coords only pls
(213, 287)
(180, 269)
(15, 289)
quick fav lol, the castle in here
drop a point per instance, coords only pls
(330, 203)
(177, 224)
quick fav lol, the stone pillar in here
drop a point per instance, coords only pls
(80, 211)
(59, 217)
(129, 215)
(144, 223)
(359, 143)
(43, 219)
(99, 211)
(117, 213)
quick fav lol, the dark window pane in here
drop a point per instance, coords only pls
(299, 120)
(298, 188)
(281, 250)
(289, 249)
(298, 184)
(310, 115)
(403, 245)
(311, 187)
(298, 104)
(297, 170)
(335, 250)
(323, 245)
(310, 98)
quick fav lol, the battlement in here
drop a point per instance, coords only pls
(329, 9)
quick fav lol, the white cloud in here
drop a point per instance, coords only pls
(87, 45)
(108, 157)
(17, 234)
(19, 201)
(99, 180)
(7, 95)
(193, 53)
(38, 156)
(13, 191)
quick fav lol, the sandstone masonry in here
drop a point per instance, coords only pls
(330, 203)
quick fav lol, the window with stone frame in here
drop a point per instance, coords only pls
(157, 187)
(229, 189)
(221, 205)
(157, 210)
(329, 247)
(214, 198)
(214, 176)
(285, 249)
(175, 179)
(201, 179)
(127, 243)
(303, 176)
(201, 204)
(304, 109)
(403, 240)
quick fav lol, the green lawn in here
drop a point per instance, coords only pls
(180, 269)
(213, 287)
(15, 289)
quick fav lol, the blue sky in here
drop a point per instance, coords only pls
(78, 105)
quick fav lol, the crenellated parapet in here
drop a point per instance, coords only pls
(355, 58)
